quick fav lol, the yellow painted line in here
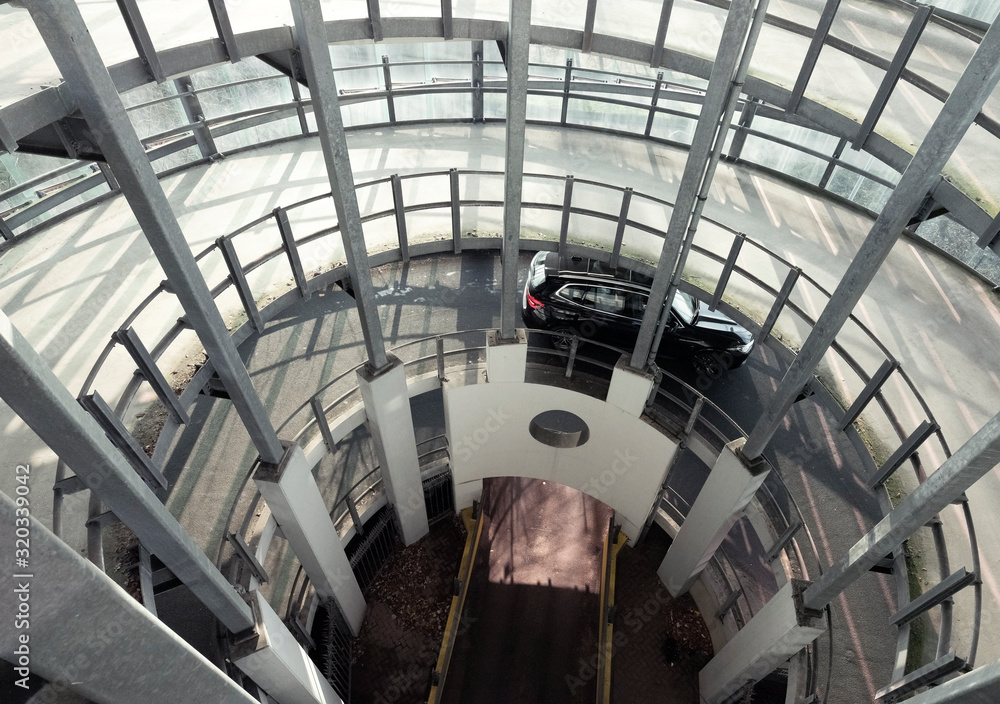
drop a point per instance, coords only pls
(604, 696)
(473, 530)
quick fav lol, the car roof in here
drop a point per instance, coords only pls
(590, 270)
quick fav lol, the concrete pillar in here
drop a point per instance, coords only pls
(506, 360)
(299, 510)
(387, 405)
(68, 622)
(778, 631)
(276, 662)
(32, 391)
(629, 387)
(729, 488)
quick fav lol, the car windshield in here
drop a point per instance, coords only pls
(685, 307)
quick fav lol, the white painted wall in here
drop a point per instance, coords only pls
(623, 464)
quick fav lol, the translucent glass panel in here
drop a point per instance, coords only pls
(786, 159)
(973, 168)
(870, 26)
(941, 55)
(844, 83)
(778, 56)
(857, 188)
(695, 28)
(639, 23)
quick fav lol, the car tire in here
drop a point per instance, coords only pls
(562, 338)
(708, 364)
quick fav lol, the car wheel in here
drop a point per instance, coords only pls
(562, 338)
(708, 364)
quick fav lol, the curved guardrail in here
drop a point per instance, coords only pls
(737, 286)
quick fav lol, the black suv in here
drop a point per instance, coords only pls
(585, 297)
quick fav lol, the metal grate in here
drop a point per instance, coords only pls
(333, 648)
(369, 552)
(438, 496)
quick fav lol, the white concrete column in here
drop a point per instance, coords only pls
(506, 360)
(387, 405)
(729, 488)
(778, 631)
(629, 387)
(277, 663)
(290, 491)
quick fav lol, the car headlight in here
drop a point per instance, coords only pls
(743, 349)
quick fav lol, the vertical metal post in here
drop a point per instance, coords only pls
(447, 30)
(652, 104)
(716, 98)
(588, 25)
(812, 54)
(120, 437)
(66, 35)
(791, 278)
(34, 393)
(399, 210)
(310, 34)
(5, 231)
(292, 251)
(374, 20)
(477, 81)
(616, 250)
(439, 353)
(565, 98)
(832, 164)
(240, 282)
(740, 137)
(7, 140)
(295, 61)
(518, 34)
(151, 373)
(727, 270)
(140, 38)
(868, 393)
(195, 115)
(323, 423)
(924, 171)
(574, 345)
(970, 462)
(389, 100)
(903, 52)
(109, 176)
(989, 236)
(224, 28)
(656, 57)
(566, 211)
(456, 211)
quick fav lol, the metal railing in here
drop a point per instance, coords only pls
(785, 303)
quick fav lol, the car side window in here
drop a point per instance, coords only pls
(578, 295)
(635, 305)
(608, 300)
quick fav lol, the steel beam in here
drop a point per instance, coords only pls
(310, 35)
(224, 28)
(718, 97)
(292, 251)
(7, 140)
(981, 686)
(456, 211)
(964, 103)
(120, 437)
(791, 278)
(239, 280)
(66, 35)
(399, 210)
(903, 52)
(477, 81)
(566, 212)
(868, 393)
(652, 104)
(387, 78)
(374, 19)
(941, 591)
(989, 236)
(656, 57)
(588, 25)
(960, 471)
(616, 250)
(447, 19)
(740, 137)
(5, 232)
(928, 674)
(196, 116)
(567, 80)
(88, 637)
(140, 38)
(812, 54)
(518, 42)
(34, 393)
(727, 270)
(902, 453)
(323, 423)
(833, 163)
